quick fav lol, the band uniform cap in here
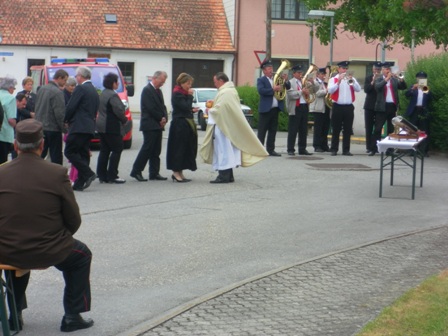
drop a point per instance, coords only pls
(297, 68)
(322, 70)
(388, 64)
(265, 64)
(421, 74)
(29, 131)
(343, 64)
(377, 65)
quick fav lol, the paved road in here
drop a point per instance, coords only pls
(160, 245)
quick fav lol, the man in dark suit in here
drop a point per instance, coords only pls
(269, 106)
(80, 115)
(152, 123)
(387, 102)
(369, 105)
(39, 234)
(418, 108)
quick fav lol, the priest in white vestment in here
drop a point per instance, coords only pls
(229, 140)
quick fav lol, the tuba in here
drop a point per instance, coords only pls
(333, 72)
(278, 80)
(312, 70)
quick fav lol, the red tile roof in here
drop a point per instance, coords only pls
(180, 25)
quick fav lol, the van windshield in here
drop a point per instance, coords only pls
(98, 73)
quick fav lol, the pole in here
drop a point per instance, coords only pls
(331, 41)
(383, 51)
(310, 58)
(268, 28)
(413, 31)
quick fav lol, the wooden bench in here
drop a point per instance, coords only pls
(7, 288)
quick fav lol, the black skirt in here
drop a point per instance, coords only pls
(182, 145)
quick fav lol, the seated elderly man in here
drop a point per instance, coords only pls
(39, 232)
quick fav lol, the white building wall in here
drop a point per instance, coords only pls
(145, 64)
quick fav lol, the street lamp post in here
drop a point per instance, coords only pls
(413, 31)
(319, 14)
(310, 58)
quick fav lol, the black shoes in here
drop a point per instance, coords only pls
(334, 153)
(347, 154)
(89, 181)
(138, 177)
(319, 150)
(219, 179)
(304, 152)
(291, 153)
(75, 322)
(158, 177)
(79, 185)
(372, 153)
(274, 153)
(180, 181)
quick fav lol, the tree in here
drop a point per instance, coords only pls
(386, 20)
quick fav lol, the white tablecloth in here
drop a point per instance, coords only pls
(387, 143)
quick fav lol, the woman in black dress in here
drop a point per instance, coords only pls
(183, 137)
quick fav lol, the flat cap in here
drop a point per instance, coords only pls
(343, 64)
(266, 63)
(388, 64)
(377, 65)
(29, 131)
(322, 70)
(297, 68)
(421, 74)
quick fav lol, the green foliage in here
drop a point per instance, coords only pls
(250, 97)
(435, 67)
(390, 20)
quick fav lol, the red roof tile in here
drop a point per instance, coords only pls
(197, 25)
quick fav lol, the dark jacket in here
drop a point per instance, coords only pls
(182, 105)
(369, 89)
(25, 113)
(50, 107)
(111, 115)
(153, 109)
(266, 93)
(413, 94)
(39, 213)
(82, 108)
(380, 86)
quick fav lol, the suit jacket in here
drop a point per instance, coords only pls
(82, 108)
(153, 109)
(266, 93)
(50, 107)
(413, 94)
(380, 86)
(38, 213)
(369, 89)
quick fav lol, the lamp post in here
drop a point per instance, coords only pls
(319, 14)
(413, 31)
(310, 58)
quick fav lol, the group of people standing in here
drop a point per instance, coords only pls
(332, 105)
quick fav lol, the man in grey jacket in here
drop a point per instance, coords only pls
(50, 111)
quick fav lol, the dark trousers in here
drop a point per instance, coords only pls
(53, 145)
(150, 152)
(268, 123)
(109, 156)
(78, 153)
(342, 119)
(420, 118)
(5, 149)
(369, 122)
(76, 271)
(298, 123)
(321, 129)
(380, 119)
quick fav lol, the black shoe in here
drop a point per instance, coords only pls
(138, 177)
(334, 153)
(78, 185)
(73, 323)
(319, 150)
(158, 177)
(326, 149)
(372, 153)
(89, 181)
(304, 152)
(291, 153)
(117, 181)
(219, 179)
(174, 178)
(274, 153)
(368, 151)
(103, 180)
(347, 154)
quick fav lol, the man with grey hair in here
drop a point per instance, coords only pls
(50, 110)
(9, 106)
(153, 119)
(41, 235)
(80, 116)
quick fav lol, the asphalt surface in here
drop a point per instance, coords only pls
(296, 246)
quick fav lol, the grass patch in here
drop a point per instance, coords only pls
(422, 311)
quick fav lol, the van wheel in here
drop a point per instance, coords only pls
(202, 121)
(127, 144)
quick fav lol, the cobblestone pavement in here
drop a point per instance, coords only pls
(334, 295)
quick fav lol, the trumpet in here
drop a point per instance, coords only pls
(423, 85)
(349, 78)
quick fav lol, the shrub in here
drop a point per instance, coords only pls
(435, 67)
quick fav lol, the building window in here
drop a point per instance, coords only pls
(289, 10)
(127, 70)
(32, 62)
